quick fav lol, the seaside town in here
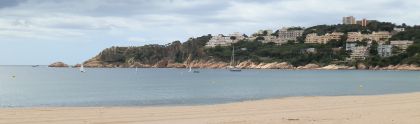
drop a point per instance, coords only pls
(284, 35)
(350, 44)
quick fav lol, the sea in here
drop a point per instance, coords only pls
(27, 86)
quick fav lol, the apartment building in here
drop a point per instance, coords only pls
(402, 44)
(221, 40)
(323, 39)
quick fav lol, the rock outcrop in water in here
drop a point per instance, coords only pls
(58, 64)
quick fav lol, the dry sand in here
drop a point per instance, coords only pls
(382, 109)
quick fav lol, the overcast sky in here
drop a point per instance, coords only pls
(72, 31)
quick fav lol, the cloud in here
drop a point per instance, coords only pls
(10, 3)
(78, 29)
(180, 19)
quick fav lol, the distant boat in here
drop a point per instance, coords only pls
(35, 66)
(136, 69)
(195, 71)
(82, 69)
(232, 66)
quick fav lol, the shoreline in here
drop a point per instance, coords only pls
(389, 108)
(221, 68)
(320, 69)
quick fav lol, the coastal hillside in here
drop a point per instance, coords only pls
(257, 51)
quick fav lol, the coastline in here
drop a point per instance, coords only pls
(211, 64)
(384, 109)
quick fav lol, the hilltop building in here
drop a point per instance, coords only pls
(349, 20)
(397, 30)
(364, 22)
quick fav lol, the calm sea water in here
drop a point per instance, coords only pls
(25, 86)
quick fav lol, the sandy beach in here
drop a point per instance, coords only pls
(380, 109)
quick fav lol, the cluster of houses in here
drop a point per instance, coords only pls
(361, 52)
(279, 37)
(353, 40)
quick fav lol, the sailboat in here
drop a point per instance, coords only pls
(82, 69)
(195, 71)
(232, 62)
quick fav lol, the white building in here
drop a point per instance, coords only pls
(384, 50)
(221, 40)
(359, 53)
(399, 29)
(350, 46)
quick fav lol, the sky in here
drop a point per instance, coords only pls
(39, 32)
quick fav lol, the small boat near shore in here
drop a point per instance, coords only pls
(232, 66)
(82, 69)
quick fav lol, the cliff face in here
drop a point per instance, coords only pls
(211, 64)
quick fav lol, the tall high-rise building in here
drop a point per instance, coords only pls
(349, 20)
(364, 22)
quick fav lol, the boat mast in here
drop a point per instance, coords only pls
(233, 55)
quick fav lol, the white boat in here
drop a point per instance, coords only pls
(190, 69)
(232, 66)
(82, 69)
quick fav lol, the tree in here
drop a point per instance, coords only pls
(232, 38)
(373, 50)
(396, 50)
(259, 38)
(265, 33)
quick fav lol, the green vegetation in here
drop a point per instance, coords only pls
(411, 56)
(296, 54)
